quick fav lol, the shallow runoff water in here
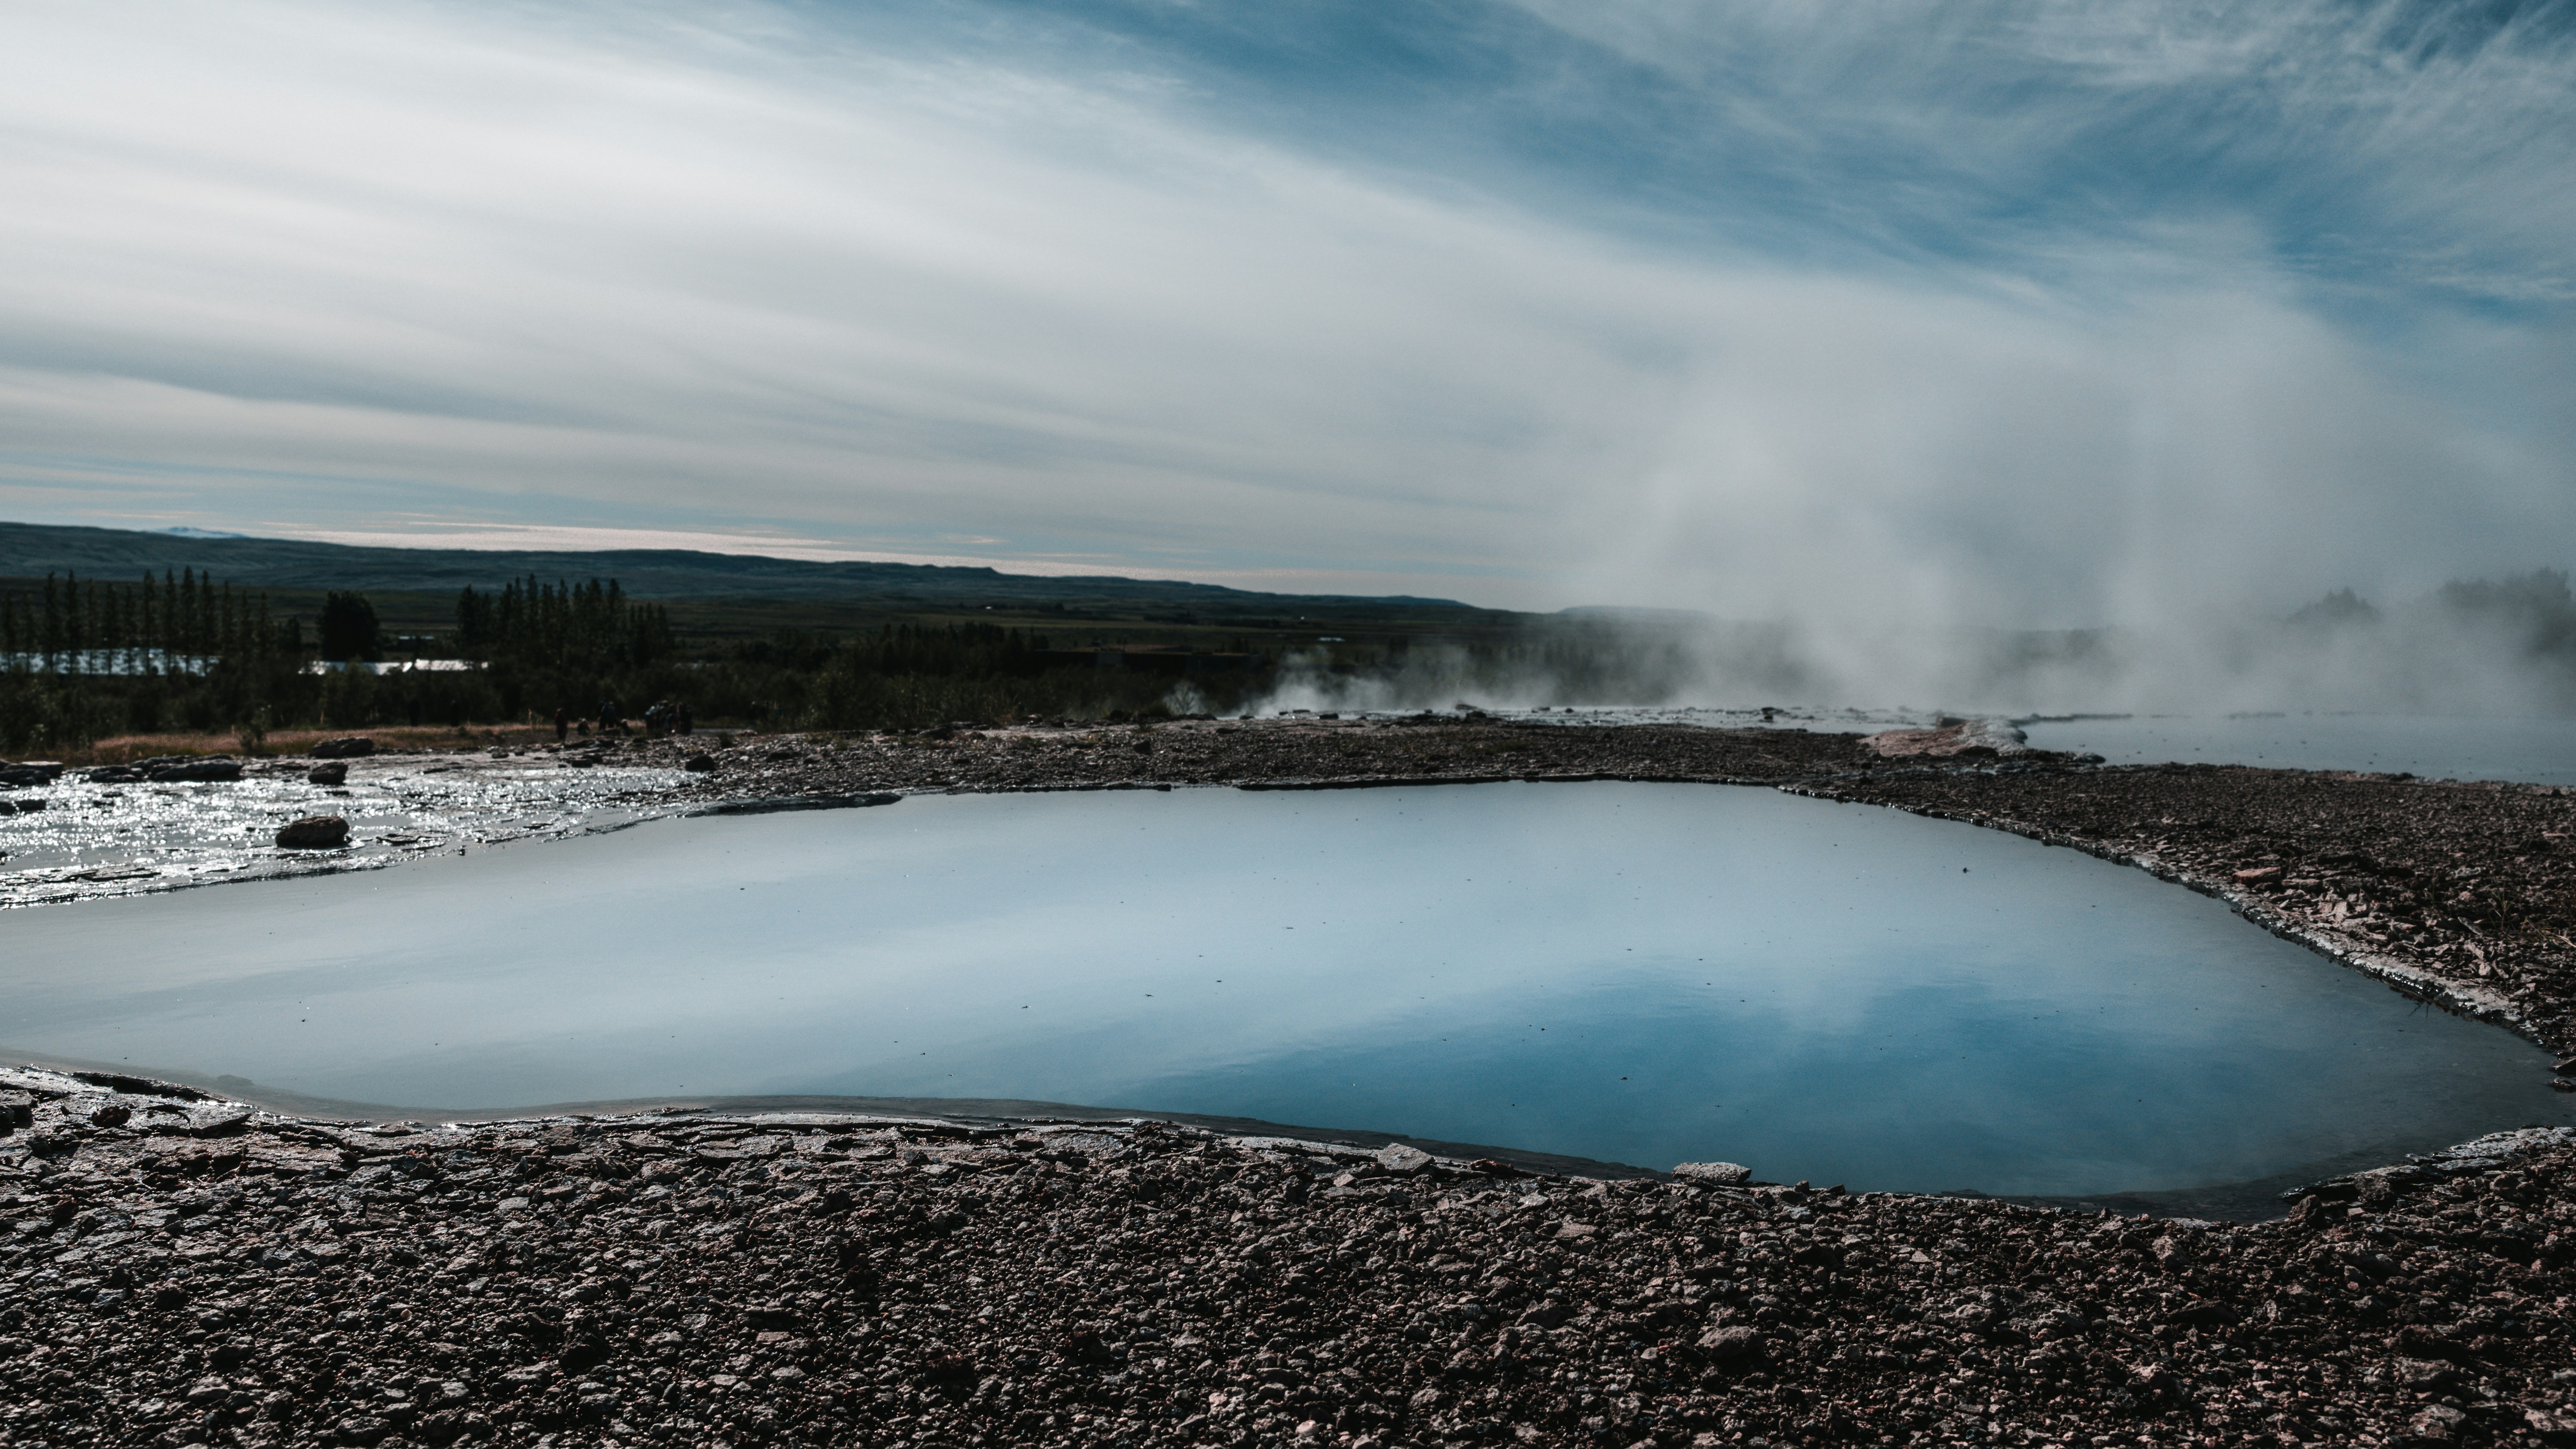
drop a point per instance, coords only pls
(1637, 973)
(2530, 749)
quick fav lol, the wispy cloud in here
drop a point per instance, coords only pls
(2014, 313)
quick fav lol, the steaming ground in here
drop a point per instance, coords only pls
(2480, 648)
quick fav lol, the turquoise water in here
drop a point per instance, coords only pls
(1645, 974)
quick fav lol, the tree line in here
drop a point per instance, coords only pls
(591, 626)
(83, 660)
(188, 623)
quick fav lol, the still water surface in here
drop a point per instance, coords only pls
(1645, 974)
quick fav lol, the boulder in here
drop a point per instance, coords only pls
(30, 772)
(699, 764)
(1401, 1160)
(314, 832)
(348, 747)
(1732, 1342)
(1722, 1174)
(333, 773)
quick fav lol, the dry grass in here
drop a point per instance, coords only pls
(119, 749)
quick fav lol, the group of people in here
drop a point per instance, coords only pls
(667, 718)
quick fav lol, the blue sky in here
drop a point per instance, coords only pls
(2012, 313)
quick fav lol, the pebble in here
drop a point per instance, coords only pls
(688, 1278)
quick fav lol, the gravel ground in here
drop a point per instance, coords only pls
(182, 1271)
(187, 1271)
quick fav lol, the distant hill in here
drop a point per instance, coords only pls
(33, 550)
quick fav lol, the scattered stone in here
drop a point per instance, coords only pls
(1402, 1160)
(314, 832)
(1725, 1344)
(333, 773)
(594, 1279)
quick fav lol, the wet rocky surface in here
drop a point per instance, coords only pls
(160, 825)
(184, 1270)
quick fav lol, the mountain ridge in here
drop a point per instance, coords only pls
(32, 550)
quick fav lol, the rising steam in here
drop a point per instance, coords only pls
(2474, 648)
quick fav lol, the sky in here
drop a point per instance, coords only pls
(2027, 314)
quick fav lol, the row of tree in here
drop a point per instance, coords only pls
(562, 626)
(82, 660)
(187, 623)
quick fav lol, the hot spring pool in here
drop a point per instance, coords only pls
(1639, 973)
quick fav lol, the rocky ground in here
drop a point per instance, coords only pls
(185, 1271)
(1212, 752)
(182, 1271)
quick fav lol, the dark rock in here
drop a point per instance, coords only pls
(139, 1086)
(348, 747)
(2553, 1426)
(30, 772)
(314, 832)
(2425, 1375)
(333, 773)
(699, 764)
(217, 769)
(1725, 1345)
(2439, 1422)
(111, 1115)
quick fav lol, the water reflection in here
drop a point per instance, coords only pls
(1647, 974)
